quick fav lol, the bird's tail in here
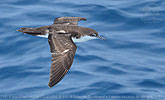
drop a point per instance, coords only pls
(32, 31)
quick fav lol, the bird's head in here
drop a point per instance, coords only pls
(93, 33)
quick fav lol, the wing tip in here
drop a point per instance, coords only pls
(51, 85)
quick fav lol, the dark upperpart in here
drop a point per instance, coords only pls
(75, 30)
(34, 31)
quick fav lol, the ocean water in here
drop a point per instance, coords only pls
(128, 65)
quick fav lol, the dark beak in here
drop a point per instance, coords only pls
(102, 38)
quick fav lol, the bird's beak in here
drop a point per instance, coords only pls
(102, 38)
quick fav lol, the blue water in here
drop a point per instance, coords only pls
(128, 65)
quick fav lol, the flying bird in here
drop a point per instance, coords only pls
(61, 37)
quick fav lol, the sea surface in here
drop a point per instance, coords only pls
(128, 65)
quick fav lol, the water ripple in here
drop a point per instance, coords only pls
(130, 62)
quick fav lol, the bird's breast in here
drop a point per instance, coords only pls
(83, 38)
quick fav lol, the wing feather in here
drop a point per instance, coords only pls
(63, 50)
(68, 20)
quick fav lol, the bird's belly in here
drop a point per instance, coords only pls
(43, 36)
(83, 39)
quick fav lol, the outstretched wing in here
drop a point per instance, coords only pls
(63, 50)
(68, 20)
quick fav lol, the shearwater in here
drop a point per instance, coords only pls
(61, 37)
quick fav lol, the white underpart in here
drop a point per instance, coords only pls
(83, 39)
(43, 36)
(46, 35)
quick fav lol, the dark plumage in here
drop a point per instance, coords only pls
(62, 48)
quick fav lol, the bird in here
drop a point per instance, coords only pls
(62, 35)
